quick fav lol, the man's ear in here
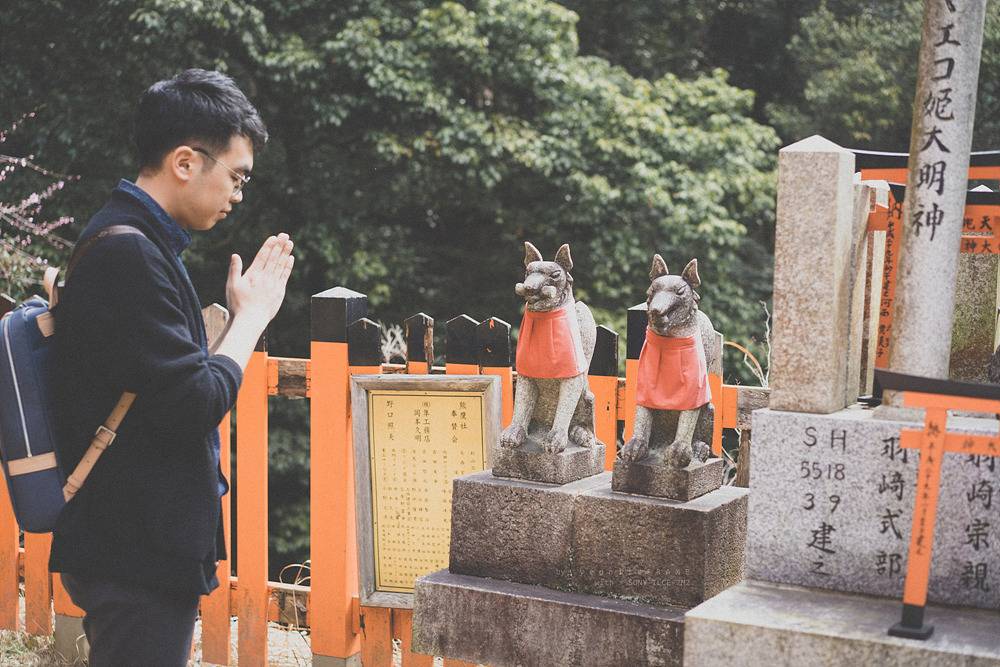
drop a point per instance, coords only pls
(563, 258)
(690, 273)
(180, 162)
(531, 254)
(659, 268)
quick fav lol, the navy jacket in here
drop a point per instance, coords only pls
(129, 319)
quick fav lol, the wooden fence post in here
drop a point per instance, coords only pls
(9, 615)
(493, 343)
(635, 335)
(215, 608)
(603, 379)
(251, 508)
(419, 343)
(37, 584)
(333, 552)
(461, 355)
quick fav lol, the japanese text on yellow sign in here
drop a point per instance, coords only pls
(418, 442)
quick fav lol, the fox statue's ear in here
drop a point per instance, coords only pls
(531, 254)
(563, 258)
(658, 269)
(690, 273)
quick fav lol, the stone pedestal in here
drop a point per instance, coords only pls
(658, 551)
(512, 529)
(534, 568)
(502, 623)
(755, 623)
(531, 463)
(653, 478)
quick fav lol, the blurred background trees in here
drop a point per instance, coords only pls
(415, 144)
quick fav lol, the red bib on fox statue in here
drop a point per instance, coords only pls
(549, 345)
(672, 373)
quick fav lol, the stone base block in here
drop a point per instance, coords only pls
(514, 529)
(658, 551)
(502, 623)
(832, 507)
(755, 623)
(583, 537)
(70, 641)
(653, 478)
(531, 463)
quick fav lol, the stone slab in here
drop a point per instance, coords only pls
(653, 478)
(70, 642)
(514, 529)
(812, 276)
(658, 551)
(832, 507)
(531, 463)
(501, 623)
(765, 624)
(974, 330)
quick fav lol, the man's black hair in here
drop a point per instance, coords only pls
(194, 106)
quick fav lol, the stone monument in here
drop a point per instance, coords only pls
(936, 190)
(551, 438)
(833, 490)
(666, 455)
(576, 574)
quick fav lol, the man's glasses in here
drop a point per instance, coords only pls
(241, 180)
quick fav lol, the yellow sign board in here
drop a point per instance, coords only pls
(418, 442)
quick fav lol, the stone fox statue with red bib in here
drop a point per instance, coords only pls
(553, 406)
(673, 414)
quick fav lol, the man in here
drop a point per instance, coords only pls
(139, 542)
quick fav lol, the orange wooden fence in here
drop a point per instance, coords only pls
(341, 347)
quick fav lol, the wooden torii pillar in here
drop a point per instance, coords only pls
(936, 397)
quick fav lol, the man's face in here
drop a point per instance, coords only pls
(208, 195)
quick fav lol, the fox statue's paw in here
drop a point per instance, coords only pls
(678, 454)
(512, 437)
(634, 450)
(700, 451)
(581, 436)
(555, 441)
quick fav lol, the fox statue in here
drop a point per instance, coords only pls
(553, 405)
(673, 414)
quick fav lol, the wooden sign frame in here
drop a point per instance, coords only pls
(362, 386)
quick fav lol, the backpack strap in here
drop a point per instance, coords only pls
(102, 439)
(52, 273)
(106, 432)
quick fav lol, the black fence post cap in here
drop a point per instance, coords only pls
(635, 330)
(415, 329)
(332, 311)
(493, 341)
(460, 347)
(605, 361)
(364, 343)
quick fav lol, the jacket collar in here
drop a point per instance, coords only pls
(177, 238)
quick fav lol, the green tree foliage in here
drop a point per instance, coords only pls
(858, 64)
(415, 145)
(693, 37)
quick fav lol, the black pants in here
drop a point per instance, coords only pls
(130, 625)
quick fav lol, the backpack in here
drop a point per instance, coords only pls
(27, 436)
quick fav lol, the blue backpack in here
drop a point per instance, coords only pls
(37, 488)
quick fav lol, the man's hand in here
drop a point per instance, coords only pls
(258, 293)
